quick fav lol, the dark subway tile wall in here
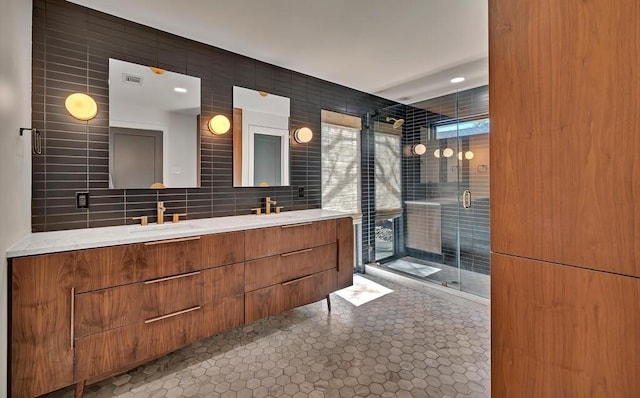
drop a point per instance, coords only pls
(71, 48)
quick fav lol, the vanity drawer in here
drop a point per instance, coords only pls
(119, 265)
(222, 282)
(106, 267)
(274, 299)
(221, 249)
(107, 309)
(106, 352)
(222, 315)
(288, 238)
(284, 267)
(169, 257)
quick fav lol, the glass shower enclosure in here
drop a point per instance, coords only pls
(428, 211)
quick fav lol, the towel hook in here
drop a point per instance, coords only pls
(36, 138)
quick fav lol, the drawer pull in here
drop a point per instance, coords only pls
(162, 242)
(159, 318)
(169, 278)
(73, 305)
(298, 280)
(298, 252)
(295, 225)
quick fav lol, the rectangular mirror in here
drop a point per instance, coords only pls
(260, 139)
(154, 128)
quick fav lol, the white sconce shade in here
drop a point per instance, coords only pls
(436, 153)
(81, 106)
(303, 135)
(447, 153)
(419, 149)
(468, 155)
(460, 155)
(219, 124)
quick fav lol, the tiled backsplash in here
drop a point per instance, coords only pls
(71, 49)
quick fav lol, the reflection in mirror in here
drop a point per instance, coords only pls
(154, 129)
(260, 139)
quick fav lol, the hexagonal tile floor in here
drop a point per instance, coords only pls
(407, 343)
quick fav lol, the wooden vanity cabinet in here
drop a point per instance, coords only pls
(297, 264)
(84, 315)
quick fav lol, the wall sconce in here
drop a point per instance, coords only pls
(448, 152)
(156, 70)
(81, 106)
(419, 149)
(219, 124)
(303, 135)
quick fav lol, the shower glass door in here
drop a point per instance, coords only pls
(442, 234)
(455, 176)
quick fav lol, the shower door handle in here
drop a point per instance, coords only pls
(466, 199)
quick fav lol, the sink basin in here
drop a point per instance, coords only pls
(161, 227)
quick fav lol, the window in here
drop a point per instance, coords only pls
(462, 129)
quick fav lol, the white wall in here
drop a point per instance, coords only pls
(181, 163)
(15, 153)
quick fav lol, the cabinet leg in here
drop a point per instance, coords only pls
(79, 389)
(329, 303)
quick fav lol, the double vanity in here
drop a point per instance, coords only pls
(88, 304)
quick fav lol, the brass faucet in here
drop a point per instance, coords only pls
(161, 210)
(267, 205)
(144, 220)
(176, 217)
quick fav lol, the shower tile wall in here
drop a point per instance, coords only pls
(71, 48)
(474, 223)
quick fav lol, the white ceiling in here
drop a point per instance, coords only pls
(404, 50)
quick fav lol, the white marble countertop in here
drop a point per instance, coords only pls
(76, 239)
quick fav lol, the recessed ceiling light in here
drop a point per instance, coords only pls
(180, 90)
(457, 79)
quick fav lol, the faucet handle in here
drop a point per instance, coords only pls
(144, 220)
(258, 211)
(278, 208)
(176, 217)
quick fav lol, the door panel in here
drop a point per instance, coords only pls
(41, 326)
(560, 331)
(565, 142)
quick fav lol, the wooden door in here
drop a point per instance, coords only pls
(564, 132)
(41, 324)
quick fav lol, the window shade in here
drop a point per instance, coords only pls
(340, 168)
(388, 174)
